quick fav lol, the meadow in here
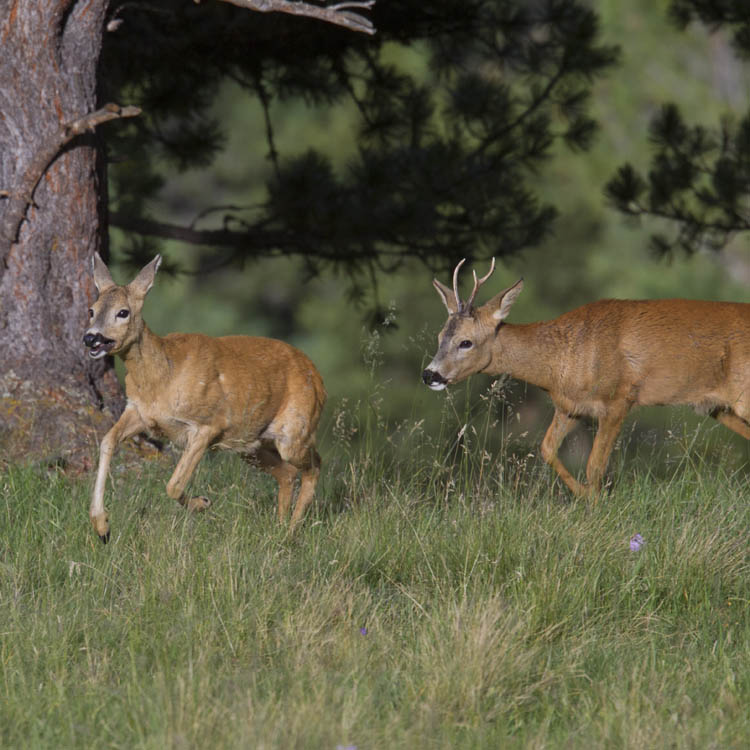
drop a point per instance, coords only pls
(437, 596)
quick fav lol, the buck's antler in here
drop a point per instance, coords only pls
(466, 306)
(478, 283)
(459, 305)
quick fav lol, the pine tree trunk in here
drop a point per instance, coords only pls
(55, 402)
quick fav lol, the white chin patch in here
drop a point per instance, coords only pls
(437, 386)
(98, 353)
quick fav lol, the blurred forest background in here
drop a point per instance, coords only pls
(374, 362)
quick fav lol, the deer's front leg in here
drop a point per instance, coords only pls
(560, 426)
(606, 434)
(196, 446)
(129, 424)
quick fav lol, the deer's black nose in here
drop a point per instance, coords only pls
(430, 377)
(94, 339)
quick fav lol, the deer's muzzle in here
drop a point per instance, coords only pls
(98, 345)
(434, 380)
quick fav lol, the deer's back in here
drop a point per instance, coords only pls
(654, 352)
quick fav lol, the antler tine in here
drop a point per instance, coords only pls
(478, 283)
(455, 283)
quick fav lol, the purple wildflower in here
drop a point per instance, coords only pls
(363, 630)
(636, 542)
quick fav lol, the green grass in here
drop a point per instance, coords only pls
(498, 612)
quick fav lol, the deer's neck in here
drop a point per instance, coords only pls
(146, 361)
(529, 352)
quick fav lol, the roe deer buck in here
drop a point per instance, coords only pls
(602, 359)
(258, 397)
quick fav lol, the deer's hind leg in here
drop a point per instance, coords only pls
(733, 422)
(285, 469)
(310, 471)
(293, 435)
(269, 460)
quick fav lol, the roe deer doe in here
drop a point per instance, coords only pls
(602, 359)
(258, 397)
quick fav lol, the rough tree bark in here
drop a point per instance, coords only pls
(53, 399)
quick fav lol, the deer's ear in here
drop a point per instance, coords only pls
(102, 277)
(145, 278)
(446, 294)
(499, 306)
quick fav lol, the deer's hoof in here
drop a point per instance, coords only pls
(101, 526)
(198, 504)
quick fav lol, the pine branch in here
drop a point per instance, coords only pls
(246, 240)
(340, 14)
(22, 195)
(260, 242)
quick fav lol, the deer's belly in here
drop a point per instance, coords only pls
(180, 431)
(172, 423)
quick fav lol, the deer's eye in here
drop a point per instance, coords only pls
(465, 344)
(91, 313)
(123, 313)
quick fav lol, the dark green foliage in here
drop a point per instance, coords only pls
(443, 161)
(699, 178)
(715, 13)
